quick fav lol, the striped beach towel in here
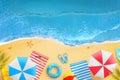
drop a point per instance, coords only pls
(40, 61)
(81, 70)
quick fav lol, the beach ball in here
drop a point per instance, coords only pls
(70, 76)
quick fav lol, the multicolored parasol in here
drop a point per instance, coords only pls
(22, 68)
(102, 63)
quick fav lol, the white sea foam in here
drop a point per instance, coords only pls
(68, 13)
(3, 43)
(116, 27)
(85, 44)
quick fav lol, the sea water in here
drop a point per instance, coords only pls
(72, 22)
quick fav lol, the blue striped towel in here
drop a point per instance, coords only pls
(81, 70)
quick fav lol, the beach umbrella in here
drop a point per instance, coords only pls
(22, 68)
(118, 53)
(102, 63)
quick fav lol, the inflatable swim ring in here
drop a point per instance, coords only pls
(57, 67)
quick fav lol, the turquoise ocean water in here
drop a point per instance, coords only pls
(72, 22)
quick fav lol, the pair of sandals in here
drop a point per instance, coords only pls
(64, 58)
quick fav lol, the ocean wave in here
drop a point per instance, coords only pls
(59, 8)
(116, 27)
(99, 36)
(67, 13)
(72, 33)
(72, 26)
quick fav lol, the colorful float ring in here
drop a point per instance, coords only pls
(58, 68)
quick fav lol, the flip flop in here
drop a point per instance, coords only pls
(60, 58)
(65, 58)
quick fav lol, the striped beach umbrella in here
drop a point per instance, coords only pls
(22, 68)
(118, 53)
(81, 70)
(102, 63)
(40, 61)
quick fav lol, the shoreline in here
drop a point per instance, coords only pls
(7, 42)
(84, 44)
(51, 48)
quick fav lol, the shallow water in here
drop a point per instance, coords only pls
(72, 22)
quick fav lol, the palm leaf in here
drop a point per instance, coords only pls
(3, 59)
(6, 59)
(117, 72)
(2, 56)
(1, 66)
(115, 77)
(118, 61)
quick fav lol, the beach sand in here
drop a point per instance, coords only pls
(52, 48)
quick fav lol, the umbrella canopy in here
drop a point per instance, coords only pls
(102, 63)
(118, 53)
(22, 68)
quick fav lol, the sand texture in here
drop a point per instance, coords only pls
(52, 48)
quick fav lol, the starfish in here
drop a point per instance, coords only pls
(88, 47)
(9, 47)
(29, 44)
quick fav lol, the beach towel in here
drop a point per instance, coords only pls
(40, 61)
(81, 70)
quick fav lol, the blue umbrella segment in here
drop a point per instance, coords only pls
(22, 68)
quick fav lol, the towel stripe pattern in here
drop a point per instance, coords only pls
(40, 61)
(81, 70)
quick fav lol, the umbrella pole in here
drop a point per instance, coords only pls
(1, 75)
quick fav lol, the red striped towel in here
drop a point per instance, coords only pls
(40, 60)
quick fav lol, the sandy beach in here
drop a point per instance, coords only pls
(52, 48)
